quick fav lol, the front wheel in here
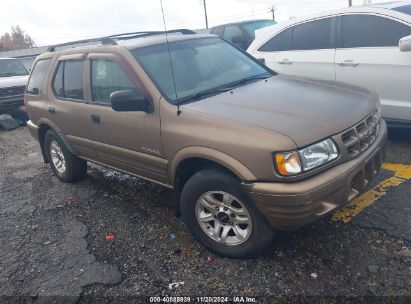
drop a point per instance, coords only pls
(221, 216)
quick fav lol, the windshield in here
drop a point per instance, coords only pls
(253, 26)
(199, 65)
(12, 67)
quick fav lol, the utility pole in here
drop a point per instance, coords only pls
(205, 13)
(272, 10)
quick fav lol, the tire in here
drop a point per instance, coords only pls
(68, 167)
(242, 240)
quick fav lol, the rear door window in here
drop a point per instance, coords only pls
(313, 35)
(361, 30)
(58, 81)
(37, 76)
(68, 80)
(73, 79)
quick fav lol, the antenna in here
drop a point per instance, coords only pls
(169, 55)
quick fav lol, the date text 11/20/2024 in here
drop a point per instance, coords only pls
(182, 299)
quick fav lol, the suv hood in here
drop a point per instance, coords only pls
(306, 110)
(13, 81)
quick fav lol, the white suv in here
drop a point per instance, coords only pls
(369, 46)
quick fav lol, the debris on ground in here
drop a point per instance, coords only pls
(110, 237)
(70, 198)
(175, 285)
(405, 253)
(373, 268)
(210, 260)
(172, 236)
(314, 275)
(8, 123)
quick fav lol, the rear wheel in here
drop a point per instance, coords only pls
(67, 166)
(221, 216)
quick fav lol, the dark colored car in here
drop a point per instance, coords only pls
(242, 34)
(13, 81)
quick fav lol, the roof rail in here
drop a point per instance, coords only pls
(110, 40)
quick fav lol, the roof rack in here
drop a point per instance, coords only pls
(111, 40)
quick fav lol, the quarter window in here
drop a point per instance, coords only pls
(107, 77)
(314, 35)
(37, 76)
(371, 31)
(68, 80)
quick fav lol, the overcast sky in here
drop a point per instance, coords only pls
(54, 21)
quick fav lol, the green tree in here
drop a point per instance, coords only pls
(17, 39)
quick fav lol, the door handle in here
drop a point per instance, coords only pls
(349, 63)
(284, 61)
(52, 110)
(95, 118)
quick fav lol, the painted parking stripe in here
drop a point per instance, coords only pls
(401, 174)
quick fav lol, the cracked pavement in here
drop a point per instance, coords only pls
(53, 243)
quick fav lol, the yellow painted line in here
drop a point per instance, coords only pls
(357, 205)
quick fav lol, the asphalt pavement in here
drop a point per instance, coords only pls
(114, 238)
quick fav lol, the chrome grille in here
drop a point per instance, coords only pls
(360, 137)
(12, 91)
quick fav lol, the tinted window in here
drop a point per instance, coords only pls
(106, 78)
(406, 9)
(37, 76)
(231, 32)
(312, 35)
(371, 31)
(73, 79)
(281, 42)
(58, 81)
(218, 31)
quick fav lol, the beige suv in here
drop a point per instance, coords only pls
(246, 151)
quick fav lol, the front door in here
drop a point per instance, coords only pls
(130, 141)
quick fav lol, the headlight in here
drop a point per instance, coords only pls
(311, 157)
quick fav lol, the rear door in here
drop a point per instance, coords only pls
(368, 55)
(68, 108)
(305, 49)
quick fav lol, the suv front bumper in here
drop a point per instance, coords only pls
(292, 205)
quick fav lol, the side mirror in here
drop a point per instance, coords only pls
(405, 44)
(130, 101)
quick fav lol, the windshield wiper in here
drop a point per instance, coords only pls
(203, 94)
(223, 89)
(249, 79)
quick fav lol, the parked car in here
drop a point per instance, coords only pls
(369, 46)
(246, 150)
(13, 80)
(240, 33)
